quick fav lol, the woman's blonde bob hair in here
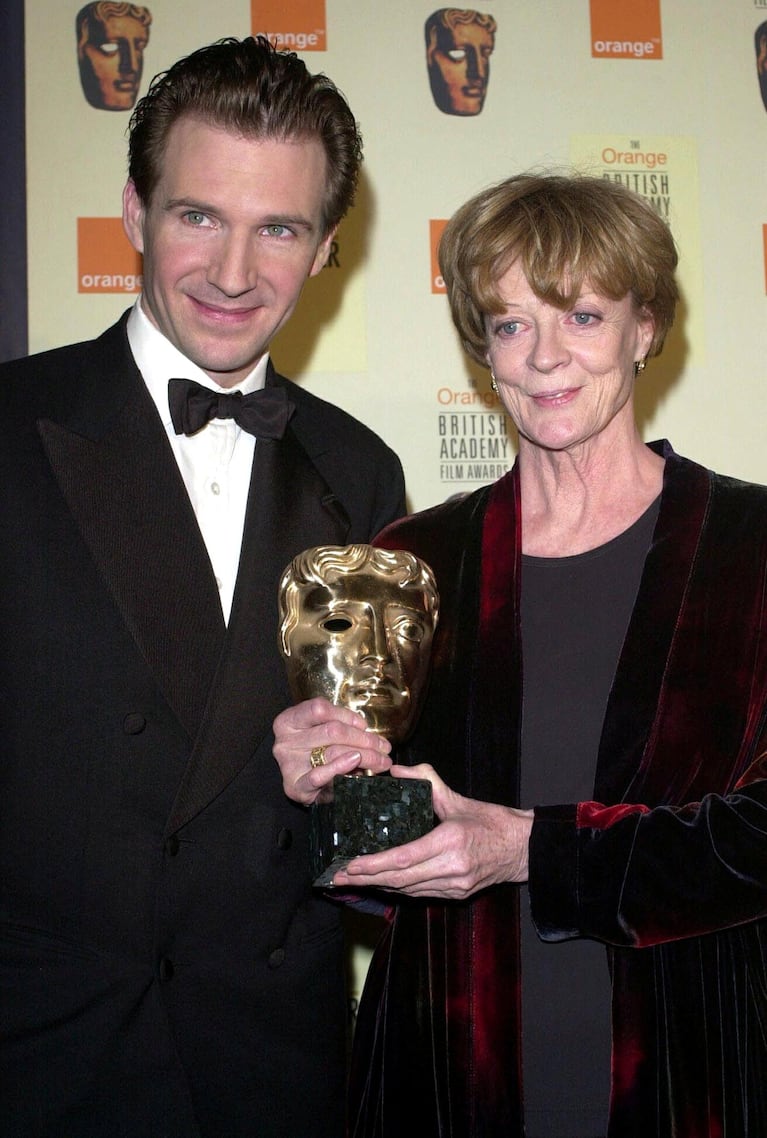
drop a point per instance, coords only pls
(562, 231)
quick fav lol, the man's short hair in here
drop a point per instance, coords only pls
(249, 87)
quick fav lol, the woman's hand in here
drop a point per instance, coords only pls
(315, 740)
(476, 844)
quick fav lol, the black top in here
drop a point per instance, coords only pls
(575, 612)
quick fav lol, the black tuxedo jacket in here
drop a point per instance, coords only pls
(165, 967)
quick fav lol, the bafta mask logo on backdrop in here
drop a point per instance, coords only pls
(760, 46)
(111, 39)
(459, 43)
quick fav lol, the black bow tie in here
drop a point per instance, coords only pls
(264, 413)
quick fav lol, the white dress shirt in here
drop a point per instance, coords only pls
(215, 463)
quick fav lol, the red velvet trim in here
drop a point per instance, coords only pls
(501, 552)
(595, 816)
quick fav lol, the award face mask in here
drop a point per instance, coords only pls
(357, 628)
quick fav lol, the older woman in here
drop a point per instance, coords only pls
(601, 657)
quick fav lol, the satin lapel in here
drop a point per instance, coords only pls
(628, 739)
(290, 508)
(129, 502)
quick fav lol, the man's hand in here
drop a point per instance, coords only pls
(315, 740)
(476, 844)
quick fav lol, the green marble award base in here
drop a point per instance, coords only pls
(361, 814)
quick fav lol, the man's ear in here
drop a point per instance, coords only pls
(133, 216)
(323, 252)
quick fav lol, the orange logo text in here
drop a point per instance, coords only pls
(296, 26)
(106, 260)
(626, 29)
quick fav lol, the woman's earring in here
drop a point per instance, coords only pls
(639, 365)
(493, 384)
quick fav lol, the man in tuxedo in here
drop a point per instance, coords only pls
(166, 970)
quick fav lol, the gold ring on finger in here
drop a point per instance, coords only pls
(317, 757)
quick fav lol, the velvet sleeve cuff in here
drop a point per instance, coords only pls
(553, 873)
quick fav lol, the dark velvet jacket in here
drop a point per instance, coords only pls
(667, 867)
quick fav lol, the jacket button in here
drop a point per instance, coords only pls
(284, 839)
(134, 723)
(172, 845)
(165, 969)
(276, 958)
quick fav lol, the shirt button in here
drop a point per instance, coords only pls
(284, 839)
(172, 845)
(219, 583)
(215, 488)
(134, 723)
(276, 958)
(165, 969)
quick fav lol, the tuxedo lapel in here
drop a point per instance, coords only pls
(127, 497)
(290, 508)
(113, 463)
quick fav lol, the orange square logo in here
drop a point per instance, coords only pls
(106, 260)
(436, 228)
(292, 25)
(626, 29)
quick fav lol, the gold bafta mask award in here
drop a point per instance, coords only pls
(356, 626)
